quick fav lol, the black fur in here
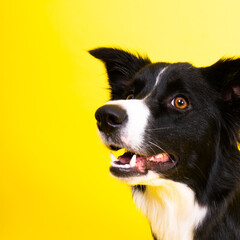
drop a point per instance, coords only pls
(154, 237)
(204, 136)
(141, 188)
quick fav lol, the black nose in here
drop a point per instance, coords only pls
(110, 118)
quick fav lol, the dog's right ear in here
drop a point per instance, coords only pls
(121, 67)
(224, 76)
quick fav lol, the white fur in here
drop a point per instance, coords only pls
(138, 113)
(171, 209)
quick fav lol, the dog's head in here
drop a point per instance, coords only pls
(172, 119)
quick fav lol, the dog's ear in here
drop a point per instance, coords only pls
(224, 76)
(121, 67)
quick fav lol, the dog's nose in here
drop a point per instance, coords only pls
(110, 118)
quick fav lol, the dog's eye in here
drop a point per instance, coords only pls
(180, 103)
(130, 96)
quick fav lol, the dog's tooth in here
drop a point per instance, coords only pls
(113, 158)
(124, 166)
(159, 155)
(133, 160)
(113, 164)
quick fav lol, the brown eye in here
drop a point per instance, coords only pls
(180, 103)
(130, 96)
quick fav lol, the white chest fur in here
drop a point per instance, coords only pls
(171, 209)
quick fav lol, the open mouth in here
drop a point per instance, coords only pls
(130, 164)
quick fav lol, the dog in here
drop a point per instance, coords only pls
(179, 126)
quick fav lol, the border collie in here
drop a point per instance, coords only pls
(179, 125)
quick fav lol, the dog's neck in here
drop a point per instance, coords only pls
(171, 209)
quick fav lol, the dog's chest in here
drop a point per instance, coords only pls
(171, 210)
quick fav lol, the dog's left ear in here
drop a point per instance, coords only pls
(121, 67)
(224, 76)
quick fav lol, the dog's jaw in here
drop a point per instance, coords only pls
(151, 178)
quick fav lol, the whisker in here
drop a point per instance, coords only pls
(157, 129)
(152, 150)
(199, 171)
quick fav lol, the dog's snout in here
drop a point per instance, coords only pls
(110, 118)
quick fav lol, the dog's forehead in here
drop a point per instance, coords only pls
(178, 70)
(162, 75)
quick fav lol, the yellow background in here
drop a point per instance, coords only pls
(54, 178)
